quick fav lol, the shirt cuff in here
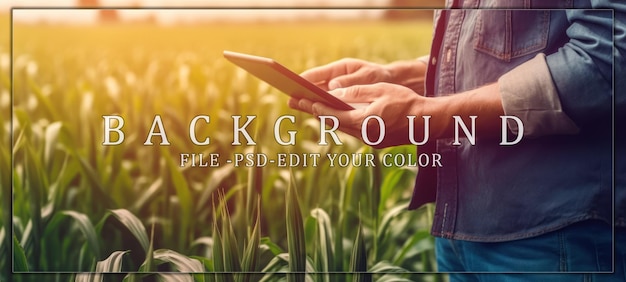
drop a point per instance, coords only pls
(528, 93)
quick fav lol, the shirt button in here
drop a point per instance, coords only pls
(433, 61)
(448, 55)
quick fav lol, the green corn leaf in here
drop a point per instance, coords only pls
(174, 277)
(204, 241)
(26, 231)
(266, 243)
(36, 183)
(279, 266)
(278, 275)
(134, 225)
(86, 227)
(208, 266)
(391, 182)
(218, 255)
(358, 260)
(148, 263)
(386, 267)
(88, 277)
(251, 253)
(385, 224)
(52, 135)
(254, 187)
(5, 194)
(295, 234)
(338, 242)
(280, 263)
(219, 259)
(21, 138)
(94, 180)
(392, 278)
(3, 239)
(182, 192)
(324, 238)
(138, 277)
(376, 178)
(50, 110)
(111, 264)
(20, 264)
(224, 198)
(232, 262)
(180, 262)
(218, 175)
(207, 241)
(419, 243)
(148, 195)
(57, 189)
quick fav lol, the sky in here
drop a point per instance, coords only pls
(169, 16)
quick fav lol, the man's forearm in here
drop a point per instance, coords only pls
(410, 73)
(485, 103)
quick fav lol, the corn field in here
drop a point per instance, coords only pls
(131, 210)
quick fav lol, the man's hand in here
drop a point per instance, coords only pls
(349, 72)
(391, 102)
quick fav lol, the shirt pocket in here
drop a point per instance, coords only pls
(509, 34)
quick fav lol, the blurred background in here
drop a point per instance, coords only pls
(80, 206)
(419, 9)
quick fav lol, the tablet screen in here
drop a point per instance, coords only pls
(284, 80)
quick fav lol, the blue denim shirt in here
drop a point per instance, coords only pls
(555, 71)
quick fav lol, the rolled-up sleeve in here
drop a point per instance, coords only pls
(568, 90)
(529, 94)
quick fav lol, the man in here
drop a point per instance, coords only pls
(542, 205)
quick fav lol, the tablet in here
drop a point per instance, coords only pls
(286, 81)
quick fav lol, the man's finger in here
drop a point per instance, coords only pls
(350, 119)
(361, 76)
(305, 105)
(318, 76)
(322, 75)
(357, 93)
(293, 103)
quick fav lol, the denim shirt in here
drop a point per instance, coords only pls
(554, 65)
